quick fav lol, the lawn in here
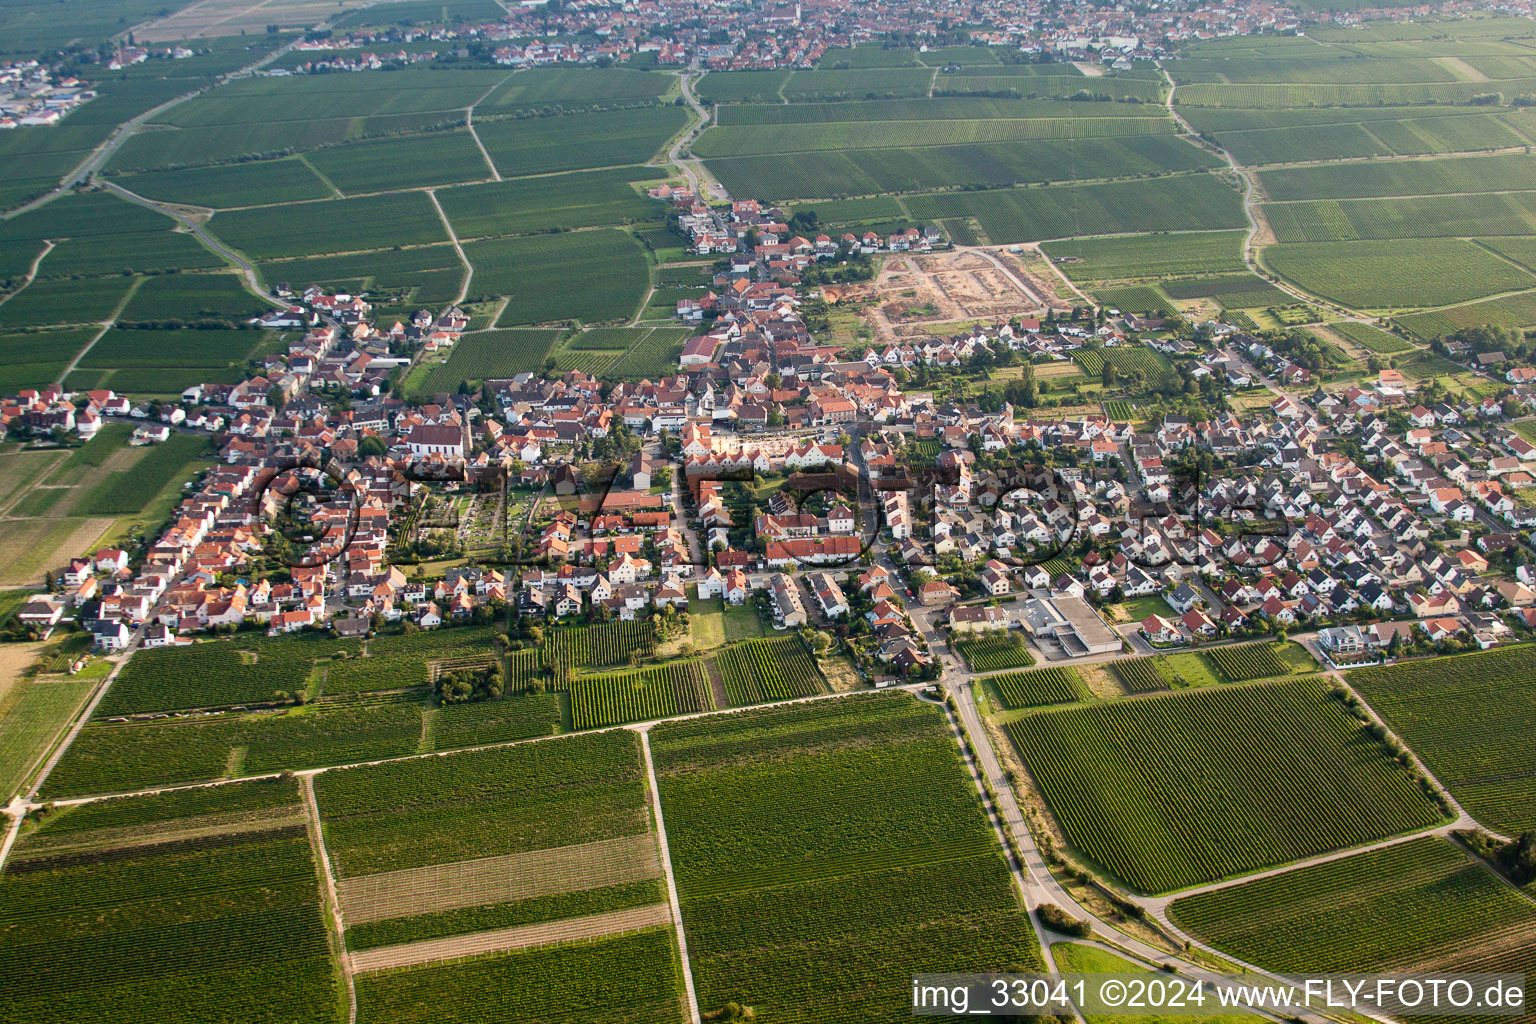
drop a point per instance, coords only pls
(742, 622)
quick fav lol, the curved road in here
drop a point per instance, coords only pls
(693, 169)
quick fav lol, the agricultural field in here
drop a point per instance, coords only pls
(573, 142)
(1130, 363)
(529, 846)
(1396, 909)
(1513, 311)
(216, 673)
(536, 273)
(1396, 274)
(792, 931)
(1306, 777)
(655, 355)
(1248, 661)
(33, 710)
(1136, 298)
(1336, 220)
(1373, 339)
(1139, 675)
(1038, 688)
(829, 172)
(991, 653)
(255, 183)
(306, 229)
(485, 355)
(1188, 202)
(1510, 172)
(1483, 759)
(612, 643)
(631, 977)
(115, 757)
(1160, 257)
(1233, 291)
(677, 688)
(572, 88)
(389, 165)
(188, 906)
(759, 671)
(567, 201)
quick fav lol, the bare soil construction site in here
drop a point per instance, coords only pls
(918, 296)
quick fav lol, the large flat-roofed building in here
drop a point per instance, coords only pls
(1082, 632)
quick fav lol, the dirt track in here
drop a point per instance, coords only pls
(432, 950)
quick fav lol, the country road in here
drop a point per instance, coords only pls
(700, 181)
(98, 157)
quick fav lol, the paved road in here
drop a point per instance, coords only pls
(224, 252)
(98, 157)
(703, 184)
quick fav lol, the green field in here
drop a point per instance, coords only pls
(1094, 260)
(65, 301)
(792, 930)
(244, 184)
(541, 145)
(1468, 718)
(32, 713)
(337, 225)
(632, 977)
(990, 653)
(1373, 339)
(1038, 688)
(1512, 311)
(491, 354)
(566, 201)
(834, 168)
(190, 906)
(1387, 910)
(387, 165)
(758, 671)
(536, 272)
(1304, 776)
(1395, 274)
(1189, 202)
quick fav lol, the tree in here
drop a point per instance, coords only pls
(276, 397)
(371, 444)
(1109, 376)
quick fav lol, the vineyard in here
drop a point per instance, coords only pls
(218, 673)
(1469, 718)
(431, 851)
(198, 907)
(1038, 688)
(792, 930)
(1248, 661)
(632, 978)
(609, 644)
(442, 810)
(1386, 910)
(1139, 675)
(991, 653)
(766, 670)
(677, 688)
(1128, 362)
(1285, 773)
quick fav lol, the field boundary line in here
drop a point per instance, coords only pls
(328, 877)
(107, 325)
(469, 268)
(212, 243)
(304, 159)
(469, 945)
(469, 120)
(666, 864)
(48, 245)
